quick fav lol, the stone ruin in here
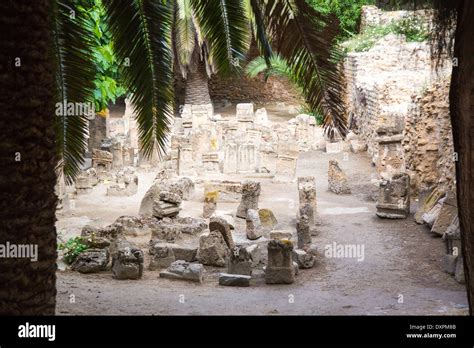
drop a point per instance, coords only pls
(337, 179)
(394, 197)
(173, 258)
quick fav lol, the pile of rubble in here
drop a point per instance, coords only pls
(182, 247)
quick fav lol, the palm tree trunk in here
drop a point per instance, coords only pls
(462, 118)
(197, 86)
(28, 204)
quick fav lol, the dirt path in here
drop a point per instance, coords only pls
(401, 259)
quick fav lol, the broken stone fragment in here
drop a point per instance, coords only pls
(91, 261)
(162, 255)
(337, 179)
(127, 260)
(234, 280)
(184, 271)
(303, 232)
(163, 209)
(185, 253)
(446, 214)
(250, 196)
(254, 227)
(428, 203)
(267, 218)
(279, 235)
(210, 203)
(213, 250)
(240, 261)
(221, 225)
(170, 197)
(303, 259)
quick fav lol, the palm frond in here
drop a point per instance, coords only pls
(75, 86)
(306, 39)
(259, 28)
(225, 26)
(184, 34)
(141, 30)
(277, 67)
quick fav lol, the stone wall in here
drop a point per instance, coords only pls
(382, 88)
(244, 89)
(428, 140)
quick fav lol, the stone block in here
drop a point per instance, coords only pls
(280, 268)
(394, 197)
(91, 261)
(303, 259)
(184, 271)
(337, 179)
(234, 280)
(213, 250)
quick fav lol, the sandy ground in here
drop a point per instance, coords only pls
(400, 274)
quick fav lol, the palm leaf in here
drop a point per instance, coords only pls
(276, 66)
(259, 28)
(184, 34)
(224, 24)
(306, 39)
(141, 30)
(75, 84)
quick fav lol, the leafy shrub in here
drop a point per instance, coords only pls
(411, 26)
(347, 11)
(72, 248)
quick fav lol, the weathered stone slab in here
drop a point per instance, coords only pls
(162, 255)
(250, 196)
(446, 214)
(303, 231)
(91, 261)
(127, 261)
(280, 268)
(240, 261)
(337, 179)
(163, 209)
(234, 279)
(254, 227)
(185, 253)
(221, 225)
(184, 271)
(394, 197)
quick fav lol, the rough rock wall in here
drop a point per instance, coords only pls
(381, 85)
(428, 140)
(244, 89)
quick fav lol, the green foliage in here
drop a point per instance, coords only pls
(74, 52)
(318, 116)
(347, 11)
(411, 26)
(72, 248)
(278, 67)
(366, 40)
(107, 85)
